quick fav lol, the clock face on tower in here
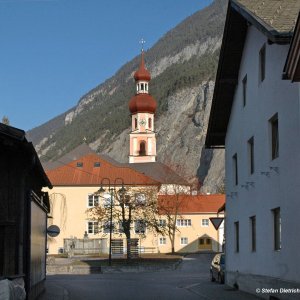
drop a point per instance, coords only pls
(142, 122)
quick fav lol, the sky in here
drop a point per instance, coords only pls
(52, 52)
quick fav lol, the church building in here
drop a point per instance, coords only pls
(78, 175)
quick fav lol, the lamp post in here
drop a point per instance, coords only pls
(111, 190)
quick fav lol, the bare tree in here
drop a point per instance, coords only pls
(136, 206)
(170, 206)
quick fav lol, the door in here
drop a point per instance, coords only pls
(204, 243)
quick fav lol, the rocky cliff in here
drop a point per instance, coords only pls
(183, 66)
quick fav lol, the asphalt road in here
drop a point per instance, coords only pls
(189, 281)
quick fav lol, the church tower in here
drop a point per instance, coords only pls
(142, 107)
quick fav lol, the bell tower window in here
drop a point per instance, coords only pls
(135, 123)
(142, 151)
(150, 123)
(142, 87)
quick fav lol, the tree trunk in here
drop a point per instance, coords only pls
(172, 240)
(128, 247)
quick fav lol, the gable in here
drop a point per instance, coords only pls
(275, 21)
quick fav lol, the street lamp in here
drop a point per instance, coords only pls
(111, 190)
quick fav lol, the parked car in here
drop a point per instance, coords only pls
(217, 268)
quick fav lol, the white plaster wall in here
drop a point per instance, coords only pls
(221, 236)
(264, 99)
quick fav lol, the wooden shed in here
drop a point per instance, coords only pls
(23, 211)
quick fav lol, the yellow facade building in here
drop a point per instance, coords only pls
(77, 177)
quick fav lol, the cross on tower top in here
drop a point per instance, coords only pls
(142, 42)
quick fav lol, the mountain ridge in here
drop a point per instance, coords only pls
(183, 66)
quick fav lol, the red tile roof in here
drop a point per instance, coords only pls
(159, 172)
(189, 204)
(88, 174)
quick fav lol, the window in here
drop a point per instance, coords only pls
(107, 201)
(125, 200)
(253, 233)
(135, 123)
(184, 222)
(184, 241)
(140, 199)
(274, 136)
(93, 227)
(142, 151)
(162, 223)
(79, 164)
(201, 241)
(251, 155)
(140, 227)
(97, 164)
(262, 63)
(121, 229)
(162, 241)
(235, 169)
(142, 86)
(244, 90)
(106, 227)
(237, 236)
(150, 123)
(205, 222)
(277, 228)
(93, 200)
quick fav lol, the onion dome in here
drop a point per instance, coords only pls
(142, 73)
(142, 103)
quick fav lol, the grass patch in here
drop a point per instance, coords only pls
(63, 255)
(144, 260)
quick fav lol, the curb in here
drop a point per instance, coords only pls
(70, 269)
(83, 270)
(139, 268)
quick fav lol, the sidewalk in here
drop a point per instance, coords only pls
(217, 291)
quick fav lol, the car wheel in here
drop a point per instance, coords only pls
(221, 278)
(212, 278)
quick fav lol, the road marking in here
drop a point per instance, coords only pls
(191, 285)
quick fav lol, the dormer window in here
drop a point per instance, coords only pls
(79, 164)
(97, 164)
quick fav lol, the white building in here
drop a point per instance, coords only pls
(256, 116)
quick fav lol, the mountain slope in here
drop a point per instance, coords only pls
(183, 65)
